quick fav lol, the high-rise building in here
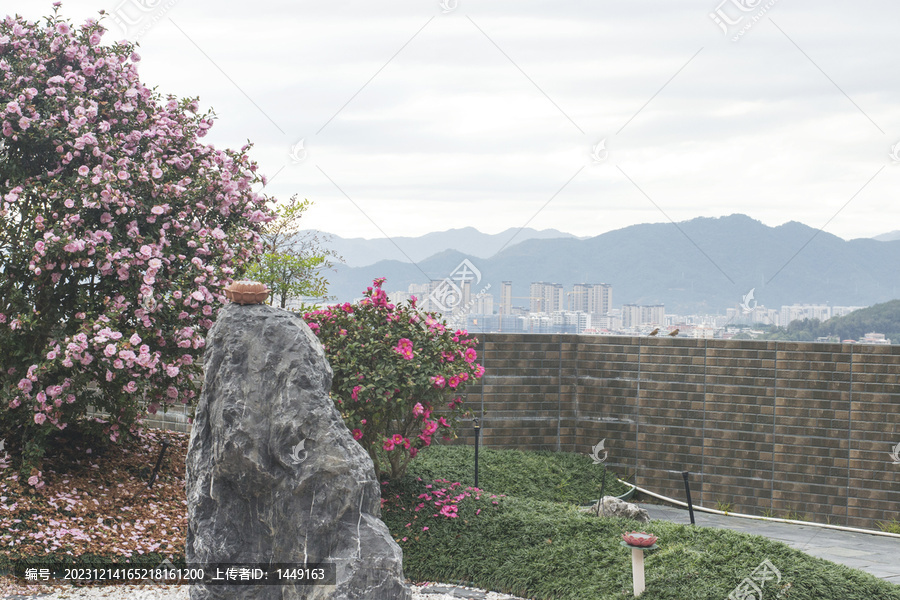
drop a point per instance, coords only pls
(506, 298)
(546, 297)
(840, 311)
(631, 315)
(594, 298)
(635, 315)
(795, 312)
(482, 304)
(653, 314)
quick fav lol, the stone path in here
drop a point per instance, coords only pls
(875, 554)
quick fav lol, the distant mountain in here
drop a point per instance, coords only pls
(704, 265)
(888, 237)
(360, 252)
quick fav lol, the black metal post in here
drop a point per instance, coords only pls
(477, 440)
(162, 451)
(687, 491)
(602, 490)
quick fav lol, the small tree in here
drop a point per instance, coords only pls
(118, 231)
(398, 374)
(292, 261)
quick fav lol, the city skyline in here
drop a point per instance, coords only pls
(588, 308)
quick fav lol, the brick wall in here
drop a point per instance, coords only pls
(768, 427)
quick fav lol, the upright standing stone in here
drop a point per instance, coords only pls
(273, 474)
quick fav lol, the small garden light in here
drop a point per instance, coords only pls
(638, 541)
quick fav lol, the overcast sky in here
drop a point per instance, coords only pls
(581, 116)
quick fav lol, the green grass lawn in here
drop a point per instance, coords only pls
(534, 542)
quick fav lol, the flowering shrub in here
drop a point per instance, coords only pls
(397, 374)
(118, 232)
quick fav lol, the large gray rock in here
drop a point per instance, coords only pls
(613, 507)
(273, 474)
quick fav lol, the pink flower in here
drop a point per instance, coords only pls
(418, 409)
(83, 170)
(355, 393)
(413, 452)
(357, 434)
(453, 382)
(388, 445)
(438, 381)
(39, 418)
(471, 355)
(33, 480)
(404, 348)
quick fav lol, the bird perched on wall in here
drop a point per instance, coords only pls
(655, 331)
(673, 333)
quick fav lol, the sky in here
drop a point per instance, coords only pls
(402, 118)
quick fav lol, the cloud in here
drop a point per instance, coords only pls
(482, 115)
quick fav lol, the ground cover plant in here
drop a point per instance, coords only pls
(527, 536)
(516, 536)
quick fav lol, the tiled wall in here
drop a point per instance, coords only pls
(769, 427)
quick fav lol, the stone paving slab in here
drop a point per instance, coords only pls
(875, 554)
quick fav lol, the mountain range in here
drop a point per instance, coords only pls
(888, 237)
(360, 252)
(703, 265)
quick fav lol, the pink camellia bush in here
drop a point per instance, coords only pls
(118, 231)
(398, 374)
